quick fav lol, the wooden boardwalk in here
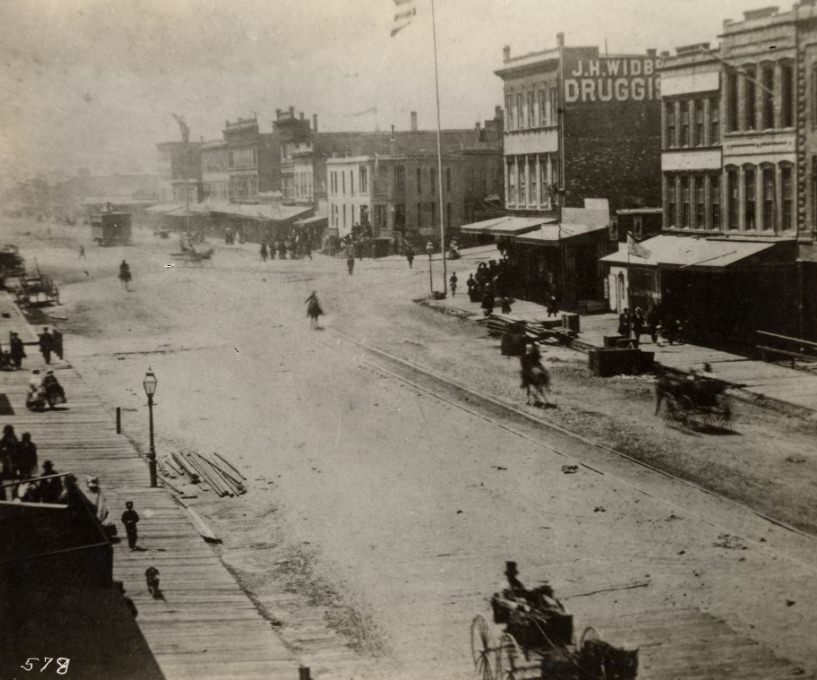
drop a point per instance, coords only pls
(206, 627)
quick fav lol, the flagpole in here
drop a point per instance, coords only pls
(439, 150)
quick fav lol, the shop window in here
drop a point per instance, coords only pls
(768, 197)
(750, 196)
(700, 203)
(749, 75)
(733, 196)
(786, 190)
(767, 96)
(669, 117)
(731, 101)
(787, 95)
(715, 201)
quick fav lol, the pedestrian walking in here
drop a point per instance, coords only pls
(506, 304)
(26, 462)
(46, 345)
(16, 350)
(624, 323)
(488, 301)
(350, 258)
(452, 283)
(125, 275)
(552, 306)
(652, 323)
(410, 256)
(8, 457)
(264, 252)
(638, 325)
(130, 518)
(81, 252)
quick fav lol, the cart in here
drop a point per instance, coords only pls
(694, 401)
(537, 644)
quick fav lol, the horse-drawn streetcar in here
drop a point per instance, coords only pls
(537, 642)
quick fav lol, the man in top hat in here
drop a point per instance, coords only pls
(46, 344)
(16, 349)
(515, 587)
(51, 488)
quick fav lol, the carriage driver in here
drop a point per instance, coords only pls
(542, 597)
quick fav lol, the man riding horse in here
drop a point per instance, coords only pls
(535, 378)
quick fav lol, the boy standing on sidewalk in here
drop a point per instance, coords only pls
(129, 519)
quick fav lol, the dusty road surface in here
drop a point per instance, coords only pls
(381, 508)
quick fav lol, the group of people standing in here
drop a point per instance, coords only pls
(296, 248)
(488, 284)
(633, 324)
(11, 356)
(18, 459)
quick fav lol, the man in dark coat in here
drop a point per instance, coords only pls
(16, 350)
(46, 345)
(50, 489)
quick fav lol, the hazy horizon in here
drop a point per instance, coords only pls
(93, 83)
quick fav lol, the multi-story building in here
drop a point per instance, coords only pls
(580, 123)
(179, 171)
(580, 126)
(739, 170)
(253, 160)
(215, 169)
(393, 186)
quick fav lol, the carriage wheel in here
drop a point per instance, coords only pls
(481, 651)
(590, 633)
(509, 658)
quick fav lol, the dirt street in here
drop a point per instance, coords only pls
(379, 517)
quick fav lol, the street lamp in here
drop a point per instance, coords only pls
(429, 250)
(149, 383)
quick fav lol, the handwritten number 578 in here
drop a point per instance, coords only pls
(62, 664)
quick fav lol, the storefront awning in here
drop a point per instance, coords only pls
(551, 234)
(316, 221)
(504, 226)
(687, 252)
(163, 208)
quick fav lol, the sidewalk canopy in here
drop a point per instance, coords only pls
(551, 234)
(504, 226)
(255, 211)
(317, 221)
(689, 252)
(164, 208)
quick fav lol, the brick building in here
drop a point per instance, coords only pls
(400, 195)
(739, 170)
(253, 160)
(582, 133)
(179, 170)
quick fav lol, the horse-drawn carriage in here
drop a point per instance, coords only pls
(538, 642)
(693, 400)
(188, 252)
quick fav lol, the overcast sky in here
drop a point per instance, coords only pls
(94, 82)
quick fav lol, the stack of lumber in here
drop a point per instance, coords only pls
(214, 472)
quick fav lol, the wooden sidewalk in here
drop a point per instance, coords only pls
(206, 628)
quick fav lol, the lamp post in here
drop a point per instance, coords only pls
(430, 250)
(149, 383)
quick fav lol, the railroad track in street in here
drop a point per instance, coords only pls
(529, 426)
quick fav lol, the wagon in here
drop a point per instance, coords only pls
(694, 401)
(537, 643)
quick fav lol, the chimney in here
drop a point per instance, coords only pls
(277, 113)
(315, 122)
(292, 112)
(392, 132)
(560, 39)
(665, 54)
(414, 121)
(652, 53)
(506, 53)
(497, 112)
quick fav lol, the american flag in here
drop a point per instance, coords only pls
(405, 11)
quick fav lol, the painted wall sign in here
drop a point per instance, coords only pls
(611, 79)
